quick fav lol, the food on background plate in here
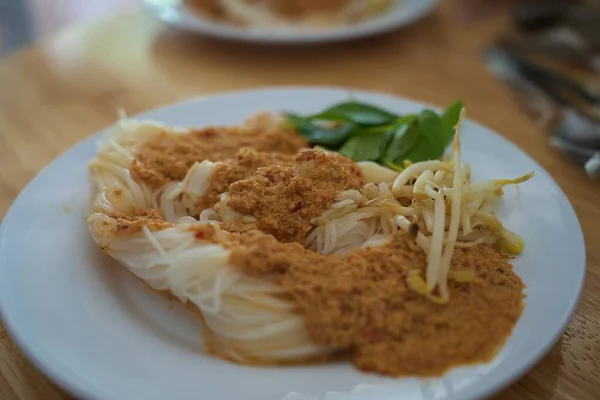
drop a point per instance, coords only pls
(346, 233)
(307, 13)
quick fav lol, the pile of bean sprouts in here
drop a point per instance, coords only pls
(439, 206)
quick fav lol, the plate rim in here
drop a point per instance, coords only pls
(202, 26)
(74, 385)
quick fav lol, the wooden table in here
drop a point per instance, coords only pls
(57, 93)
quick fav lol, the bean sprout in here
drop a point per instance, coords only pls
(448, 211)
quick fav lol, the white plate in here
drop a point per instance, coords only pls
(101, 334)
(402, 13)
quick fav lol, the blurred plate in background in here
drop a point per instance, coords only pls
(401, 13)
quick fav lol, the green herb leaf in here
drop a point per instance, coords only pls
(431, 124)
(406, 119)
(432, 139)
(364, 132)
(450, 118)
(366, 145)
(422, 139)
(404, 138)
(316, 134)
(358, 113)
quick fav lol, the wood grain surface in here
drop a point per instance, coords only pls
(61, 91)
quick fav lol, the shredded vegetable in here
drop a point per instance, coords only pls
(448, 211)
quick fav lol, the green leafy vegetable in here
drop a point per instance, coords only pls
(431, 123)
(317, 134)
(432, 140)
(406, 119)
(366, 146)
(358, 113)
(364, 132)
(451, 117)
(404, 138)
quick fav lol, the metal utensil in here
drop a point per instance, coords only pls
(580, 104)
(569, 131)
(589, 158)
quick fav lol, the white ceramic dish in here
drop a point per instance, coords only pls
(99, 333)
(403, 13)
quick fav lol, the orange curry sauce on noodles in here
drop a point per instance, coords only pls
(358, 302)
